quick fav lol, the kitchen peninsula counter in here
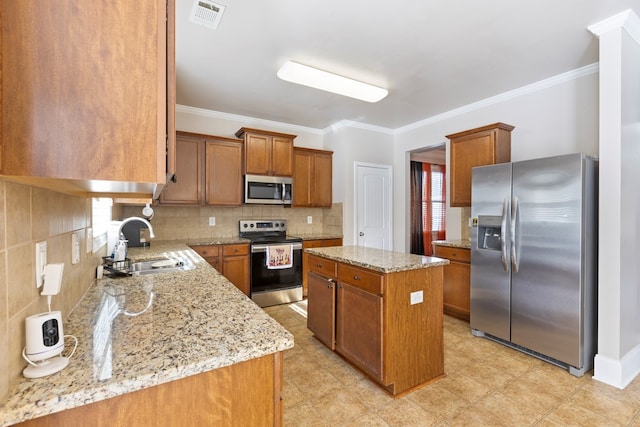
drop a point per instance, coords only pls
(458, 243)
(197, 322)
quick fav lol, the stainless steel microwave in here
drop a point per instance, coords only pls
(268, 190)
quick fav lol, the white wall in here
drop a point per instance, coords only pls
(556, 117)
(351, 145)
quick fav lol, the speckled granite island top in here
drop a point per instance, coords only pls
(198, 321)
(377, 259)
(463, 244)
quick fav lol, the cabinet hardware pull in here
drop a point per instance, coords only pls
(319, 265)
(356, 277)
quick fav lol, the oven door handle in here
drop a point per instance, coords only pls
(263, 248)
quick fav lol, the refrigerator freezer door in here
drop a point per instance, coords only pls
(490, 248)
(546, 288)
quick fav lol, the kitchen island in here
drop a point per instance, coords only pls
(381, 311)
(202, 353)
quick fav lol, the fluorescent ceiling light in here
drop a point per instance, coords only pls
(312, 77)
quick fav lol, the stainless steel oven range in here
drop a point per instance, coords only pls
(276, 262)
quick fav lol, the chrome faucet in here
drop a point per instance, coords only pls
(135, 218)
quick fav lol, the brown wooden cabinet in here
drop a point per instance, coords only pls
(267, 153)
(88, 95)
(359, 320)
(457, 280)
(312, 177)
(231, 260)
(187, 188)
(208, 171)
(376, 327)
(244, 394)
(321, 316)
(307, 262)
(486, 145)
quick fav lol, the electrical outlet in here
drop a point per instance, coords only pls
(41, 261)
(75, 248)
(309, 219)
(416, 297)
(212, 221)
(89, 237)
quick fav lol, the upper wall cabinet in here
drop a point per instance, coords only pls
(208, 171)
(267, 153)
(486, 145)
(88, 95)
(312, 177)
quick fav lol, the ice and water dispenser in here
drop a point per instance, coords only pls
(489, 232)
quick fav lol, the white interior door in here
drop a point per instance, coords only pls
(373, 206)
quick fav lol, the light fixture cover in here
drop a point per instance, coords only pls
(323, 80)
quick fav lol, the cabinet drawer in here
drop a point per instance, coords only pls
(323, 266)
(239, 249)
(207, 251)
(360, 278)
(453, 254)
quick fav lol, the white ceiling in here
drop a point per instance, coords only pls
(432, 55)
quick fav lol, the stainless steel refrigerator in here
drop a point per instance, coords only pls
(534, 257)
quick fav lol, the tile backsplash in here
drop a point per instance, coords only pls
(30, 215)
(192, 223)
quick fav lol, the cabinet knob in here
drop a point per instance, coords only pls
(356, 277)
(329, 286)
(319, 265)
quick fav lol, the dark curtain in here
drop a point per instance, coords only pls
(417, 240)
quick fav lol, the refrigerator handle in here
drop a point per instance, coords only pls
(514, 219)
(503, 229)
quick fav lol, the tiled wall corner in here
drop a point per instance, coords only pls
(32, 215)
(465, 229)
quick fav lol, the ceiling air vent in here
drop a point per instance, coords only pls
(207, 13)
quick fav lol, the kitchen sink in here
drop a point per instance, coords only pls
(160, 265)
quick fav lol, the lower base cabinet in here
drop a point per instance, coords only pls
(313, 243)
(375, 327)
(244, 394)
(231, 260)
(457, 281)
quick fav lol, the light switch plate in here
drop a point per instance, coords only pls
(309, 219)
(416, 297)
(41, 261)
(212, 221)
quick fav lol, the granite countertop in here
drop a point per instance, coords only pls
(462, 243)
(377, 259)
(198, 321)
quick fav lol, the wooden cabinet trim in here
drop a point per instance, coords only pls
(242, 131)
(453, 254)
(498, 125)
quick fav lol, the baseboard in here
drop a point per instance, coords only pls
(617, 373)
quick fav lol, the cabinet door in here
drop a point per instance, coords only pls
(302, 181)
(87, 87)
(456, 281)
(359, 328)
(187, 190)
(322, 180)
(257, 158)
(321, 313)
(236, 269)
(281, 156)
(223, 173)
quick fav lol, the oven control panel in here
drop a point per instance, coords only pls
(263, 225)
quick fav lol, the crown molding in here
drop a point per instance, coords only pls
(627, 20)
(342, 124)
(505, 96)
(246, 120)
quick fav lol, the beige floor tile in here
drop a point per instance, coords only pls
(405, 413)
(339, 406)
(486, 384)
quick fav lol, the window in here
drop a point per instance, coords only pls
(101, 208)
